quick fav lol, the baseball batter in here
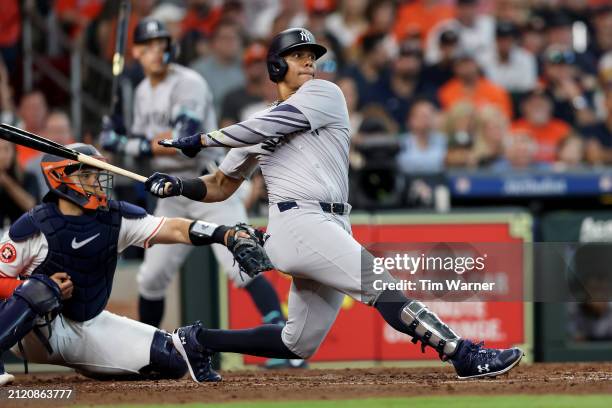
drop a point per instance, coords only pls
(65, 252)
(171, 101)
(302, 145)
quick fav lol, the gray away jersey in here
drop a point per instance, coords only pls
(155, 108)
(302, 145)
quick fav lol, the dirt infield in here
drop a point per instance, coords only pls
(314, 384)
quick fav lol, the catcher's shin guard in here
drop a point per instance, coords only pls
(166, 362)
(426, 327)
(38, 296)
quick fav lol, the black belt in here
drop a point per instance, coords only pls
(334, 208)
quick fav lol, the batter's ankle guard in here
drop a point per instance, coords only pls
(426, 327)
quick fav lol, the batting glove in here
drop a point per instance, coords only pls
(190, 146)
(164, 185)
(121, 144)
(112, 141)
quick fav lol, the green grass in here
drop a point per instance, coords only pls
(460, 401)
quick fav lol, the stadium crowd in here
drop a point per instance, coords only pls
(499, 85)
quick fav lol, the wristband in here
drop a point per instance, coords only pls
(194, 189)
(206, 233)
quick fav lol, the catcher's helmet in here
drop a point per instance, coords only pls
(151, 29)
(66, 179)
(284, 42)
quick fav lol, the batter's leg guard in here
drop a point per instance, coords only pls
(38, 296)
(426, 327)
(166, 362)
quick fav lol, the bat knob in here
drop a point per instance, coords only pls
(166, 143)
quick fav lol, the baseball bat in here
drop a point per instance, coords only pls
(23, 138)
(119, 55)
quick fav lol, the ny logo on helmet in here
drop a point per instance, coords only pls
(152, 26)
(305, 36)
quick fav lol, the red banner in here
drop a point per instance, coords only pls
(360, 333)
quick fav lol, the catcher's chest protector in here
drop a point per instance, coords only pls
(85, 247)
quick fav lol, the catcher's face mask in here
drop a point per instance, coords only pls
(85, 186)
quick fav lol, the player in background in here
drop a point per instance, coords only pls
(174, 101)
(302, 145)
(57, 264)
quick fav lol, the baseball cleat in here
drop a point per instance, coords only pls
(197, 357)
(5, 378)
(474, 361)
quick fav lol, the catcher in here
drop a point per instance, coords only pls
(57, 264)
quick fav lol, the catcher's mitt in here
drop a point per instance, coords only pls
(249, 252)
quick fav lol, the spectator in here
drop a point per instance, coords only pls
(512, 11)
(381, 17)
(572, 97)
(222, 69)
(440, 72)
(570, 154)
(485, 132)
(10, 21)
(201, 18)
(283, 13)
(605, 79)
(256, 76)
(75, 15)
(372, 69)
(559, 28)
(333, 60)
(599, 136)
(421, 16)
(58, 129)
(509, 65)
(349, 23)
(7, 107)
(537, 121)
(349, 89)
(476, 31)
(602, 19)
(519, 155)
(469, 85)
(33, 114)
(423, 148)
(459, 125)
(533, 38)
(18, 191)
(405, 84)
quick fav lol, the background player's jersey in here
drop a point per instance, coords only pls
(155, 109)
(306, 165)
(27, 255)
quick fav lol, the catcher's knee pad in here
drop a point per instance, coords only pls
(37, 296)
(426, 327)
(166, 362)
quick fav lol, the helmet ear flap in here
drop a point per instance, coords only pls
(172, 52)
(277, 69)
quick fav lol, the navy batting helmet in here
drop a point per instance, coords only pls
(151, 29)
(284, 42)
